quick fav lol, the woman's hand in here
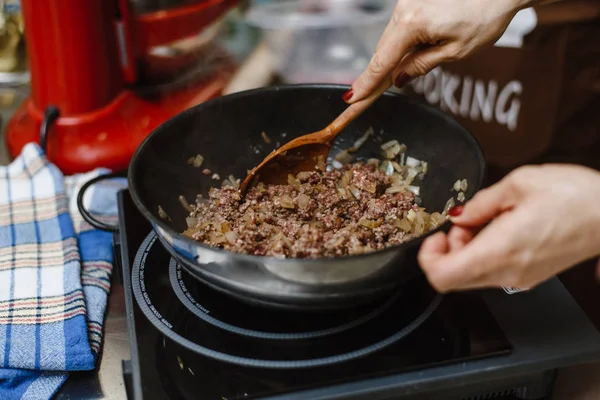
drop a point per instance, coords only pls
(536, 222)
(453, 29)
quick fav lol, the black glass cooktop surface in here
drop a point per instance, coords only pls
(195, 342)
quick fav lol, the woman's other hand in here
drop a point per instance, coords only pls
(535, 223)
(452, 29)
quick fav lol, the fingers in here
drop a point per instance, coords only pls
(433, 252)
(434, 247)
(472, 255)
(485, 205)
(420, 63)
(459, 261)
(458, 237)
(392, 47)
(447, 270)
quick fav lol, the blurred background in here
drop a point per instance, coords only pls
(105, 73)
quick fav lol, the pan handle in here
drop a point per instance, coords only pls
(87, 216)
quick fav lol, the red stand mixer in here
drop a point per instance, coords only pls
(105, 73)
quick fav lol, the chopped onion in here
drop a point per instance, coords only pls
(303, 201)
(411, 175)
(411, 215)
(403, 159)
(163, 214)
(265, 137)
(304, 175)
(419, 223)
(185, 204)
(397, 166)
(387, 167)
(191, 222)
(373, 161)
(463, 185)
(231, 236)
(424, 167)
(225, 226)
(336, 164)
(218, 227)
(395, 189)
(436, 219)
(390, 144)
(249, 218)
(412, 162)
(396, 180)
(392, 152)
(355, 192)
(292, 180)
(461, 196)
(414, 189)
(449, 204)
(196, 161)
(234, 182)
(321, 164)
(371, 187)
(361, 140)
(285, 201)
(345, 181)
(344, 157)
(456, 186)
(216, 177)
(369, 223)
(402, 224)
(216, 237)
(201, 199)
(342, 193)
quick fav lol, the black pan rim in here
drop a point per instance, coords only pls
(154, 221)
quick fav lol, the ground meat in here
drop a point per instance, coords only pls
(318, 214)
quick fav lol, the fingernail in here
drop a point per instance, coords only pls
(348, 95)
(402, 79)
(456, 211)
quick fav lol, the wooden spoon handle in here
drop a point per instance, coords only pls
(354, 110)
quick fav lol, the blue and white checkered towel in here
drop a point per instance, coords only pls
(54, 275)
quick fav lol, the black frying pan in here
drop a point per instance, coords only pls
(227, 133)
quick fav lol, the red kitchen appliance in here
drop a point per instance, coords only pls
(105, 73)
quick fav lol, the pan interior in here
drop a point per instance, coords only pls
(227, 132)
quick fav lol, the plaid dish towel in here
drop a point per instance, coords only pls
(54, 275)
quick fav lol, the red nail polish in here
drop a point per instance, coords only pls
(456, 211)
(402, 79)
(348, 95)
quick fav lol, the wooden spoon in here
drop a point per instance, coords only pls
(304, 152)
